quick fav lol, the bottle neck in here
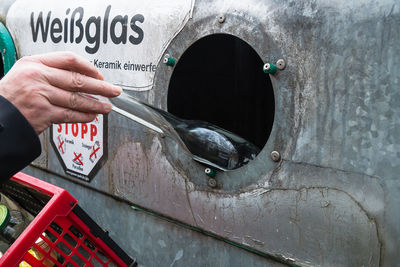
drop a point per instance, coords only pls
(172, 119)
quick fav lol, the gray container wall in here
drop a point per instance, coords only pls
(333, 198)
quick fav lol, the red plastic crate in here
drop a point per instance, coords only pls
(74, 239)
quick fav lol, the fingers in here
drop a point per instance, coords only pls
(65, 115)
(51, 88)
(72, 72)
(75, 101)
(76, 82)
(69, 61)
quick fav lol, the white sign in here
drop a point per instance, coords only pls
(124, 39)
(80, 146)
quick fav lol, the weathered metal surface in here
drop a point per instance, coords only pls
(333, 198)
(155, 242)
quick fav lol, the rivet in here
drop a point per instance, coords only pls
(275, 156)
(212, 182)
(281, 64)
(221, 18)
(270, 68)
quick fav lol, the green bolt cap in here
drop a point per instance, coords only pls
(169, 61)
(210, 172)
(7, 49)
(270, 68)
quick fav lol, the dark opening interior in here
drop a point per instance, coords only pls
(219, 79)
(1, 66)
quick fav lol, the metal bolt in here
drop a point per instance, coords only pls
(275, 156)
(270, 68)
(168, 60)
(281, 64)
(212, 182)
(221, 18)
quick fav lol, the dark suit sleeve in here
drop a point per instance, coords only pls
(19, 143)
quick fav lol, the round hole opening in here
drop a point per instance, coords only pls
(220, 79)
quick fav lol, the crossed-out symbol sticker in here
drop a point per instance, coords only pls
(77, 159)
(60, 145)
(80, 147)
(94, 151)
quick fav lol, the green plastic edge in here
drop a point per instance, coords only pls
(7, 48)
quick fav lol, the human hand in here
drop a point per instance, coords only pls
(50, 88)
